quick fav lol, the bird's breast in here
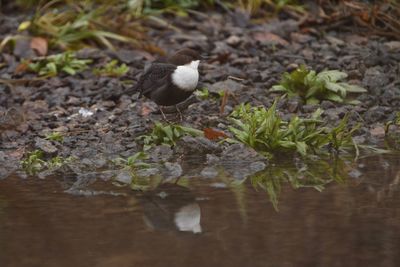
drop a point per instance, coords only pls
(185, 78)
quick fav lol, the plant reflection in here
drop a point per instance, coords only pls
(314, 174)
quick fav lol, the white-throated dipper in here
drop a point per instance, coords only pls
(171, 82)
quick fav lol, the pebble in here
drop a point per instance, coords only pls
(45, 145)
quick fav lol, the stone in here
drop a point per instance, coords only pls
(393, 46)
(173, 170)
(354, 173)
(161, 153)
(124, 177)
(375, 79)
(209, 172)
(334, 41)
(228, 85)
(45, 145)
(238, 160)
(378, 131)
(197, 145)
(147, 172)
(233, 40)
(268, 38)
(300, 38)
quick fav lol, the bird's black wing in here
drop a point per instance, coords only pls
(155, 77)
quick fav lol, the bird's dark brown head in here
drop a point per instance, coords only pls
(184, 56)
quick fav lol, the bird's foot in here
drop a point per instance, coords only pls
(163, 115)
(179, 113)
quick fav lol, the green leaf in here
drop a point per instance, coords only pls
(52, 68)
(278, 88)
(334, 98)
(334, 87)
(312, 91)
(24, 25)
(309, 80)
(312, 101)
(301, 148)
(351, 88)
(352, 102)
(69, 70)
(317, 114)
(332, 75)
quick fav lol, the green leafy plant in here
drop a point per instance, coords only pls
(167, 134)
(265, 131)
(313, 87)
(64, 62)
(55, 136)
(112, 69)
(254, 6)
(281, 4)
(396, 121)
(34, 162)
(133, 162)
(341, 136)
(202, 93)
(392, 137)
(57, 162)
(178, 7)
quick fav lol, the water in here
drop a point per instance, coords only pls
(356, 223)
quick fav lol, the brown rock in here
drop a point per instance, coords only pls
(267, 38)
(392, 46)
(378, 131)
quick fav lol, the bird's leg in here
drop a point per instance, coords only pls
(162, 113)
(179, 112)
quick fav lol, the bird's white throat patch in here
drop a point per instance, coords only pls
(186, 76)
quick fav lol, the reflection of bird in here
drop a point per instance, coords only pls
(172, 207)
(172, 82)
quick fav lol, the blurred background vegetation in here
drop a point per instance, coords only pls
(71, 24)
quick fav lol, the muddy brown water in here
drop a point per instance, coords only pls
(204, 224)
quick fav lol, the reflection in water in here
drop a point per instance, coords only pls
(356, 223)
(315, 174)
(171, 206)
(188, 218)
(3, 205)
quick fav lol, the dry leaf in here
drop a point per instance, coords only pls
(212, 134)
(145, 110)
(40, 45)
(18, 153)
(365, 16)
(22, 67)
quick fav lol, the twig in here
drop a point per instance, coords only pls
(236, 78)
(223, 102)
(12, 82)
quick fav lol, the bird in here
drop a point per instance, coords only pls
(170, 81)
